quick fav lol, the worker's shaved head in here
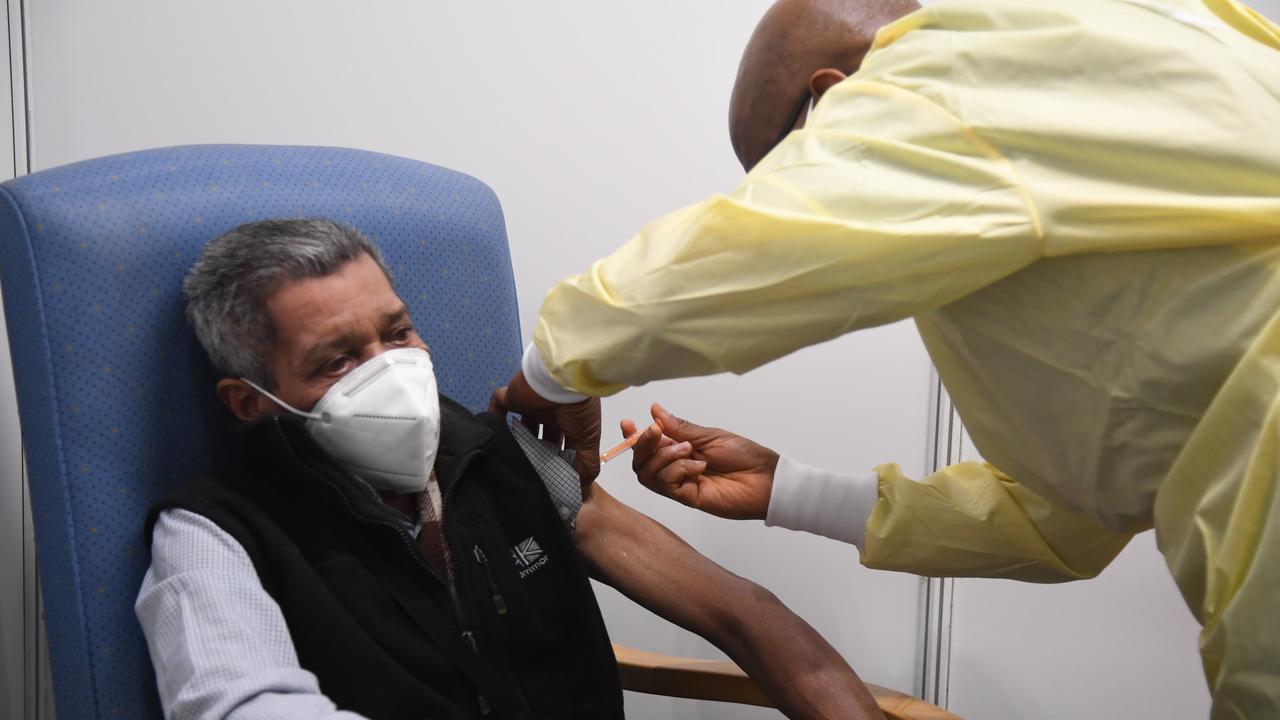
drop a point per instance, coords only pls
(796, 39)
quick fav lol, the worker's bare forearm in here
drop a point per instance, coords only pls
(798, 670)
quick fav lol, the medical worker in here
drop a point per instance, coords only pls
(1079, 205)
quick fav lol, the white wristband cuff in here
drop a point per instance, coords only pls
(535, 373)
(822, 502)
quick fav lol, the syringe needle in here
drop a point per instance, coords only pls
(621, 447)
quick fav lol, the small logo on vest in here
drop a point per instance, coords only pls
(528, 556)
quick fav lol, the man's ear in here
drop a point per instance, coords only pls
(244, 402)
(823, 80)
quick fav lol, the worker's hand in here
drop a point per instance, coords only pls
(709, 469)
(578, 424)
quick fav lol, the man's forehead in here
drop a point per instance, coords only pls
(371, 314)
(357, 296)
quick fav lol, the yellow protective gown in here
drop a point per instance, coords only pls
(1079, 204)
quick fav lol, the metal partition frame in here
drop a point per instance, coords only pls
(943, 448)
(36, 687)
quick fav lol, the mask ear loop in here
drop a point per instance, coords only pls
(322, 417)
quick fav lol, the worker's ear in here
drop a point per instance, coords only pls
(242, 400)
(823, 80)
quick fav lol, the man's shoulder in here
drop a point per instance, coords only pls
(451, 407)
(485, 429)
(212, 495)
(213, 486)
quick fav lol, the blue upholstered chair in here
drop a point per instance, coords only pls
(115, 396)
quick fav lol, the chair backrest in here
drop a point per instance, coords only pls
(115, 396)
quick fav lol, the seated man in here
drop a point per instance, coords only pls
(384, 553)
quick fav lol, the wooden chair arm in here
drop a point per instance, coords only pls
(723, 681)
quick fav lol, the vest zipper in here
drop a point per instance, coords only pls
(467, 633)
(405, 538)
(460, 615)
(459, 610)
(499, 603)
(481, 700)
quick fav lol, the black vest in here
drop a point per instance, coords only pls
(377, 624)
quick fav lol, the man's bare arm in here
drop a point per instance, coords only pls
(793, 664)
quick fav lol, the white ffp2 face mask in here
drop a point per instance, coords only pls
(381, 421)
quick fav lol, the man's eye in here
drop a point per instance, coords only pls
(337, 365)
(402, 335)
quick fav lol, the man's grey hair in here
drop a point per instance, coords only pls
(228, 287)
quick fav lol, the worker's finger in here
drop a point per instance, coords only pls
(655, 483)
(646, 466)
(680, 472)
(498, 400)
(689, 492)
(581, 425)
(551, 432)
(662, 457)
(630, 437)
(532, 424)
(652, 436)
(648, 443)
(679, 428)
(587, 464)
(628, 428)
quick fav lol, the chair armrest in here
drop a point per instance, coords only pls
(723, 681)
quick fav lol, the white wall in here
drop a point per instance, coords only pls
(588, 119)
(1270, 8)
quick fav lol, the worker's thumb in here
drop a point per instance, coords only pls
(679, 429)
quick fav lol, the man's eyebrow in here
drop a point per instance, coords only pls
(319, 352)
(395, 316)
